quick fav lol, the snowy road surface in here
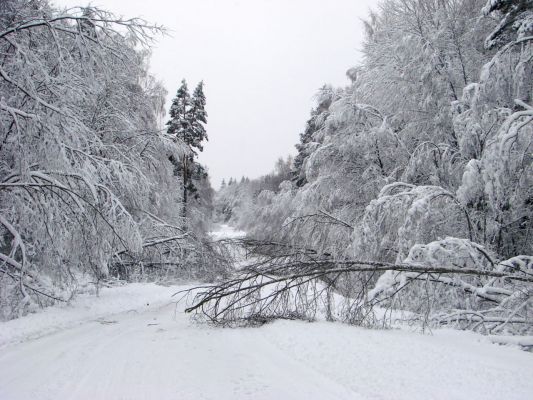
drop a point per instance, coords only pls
(154, 354)
(130, 344)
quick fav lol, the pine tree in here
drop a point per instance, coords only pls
(187, 119)
(310, 128)
(197, 118)
(178, 124)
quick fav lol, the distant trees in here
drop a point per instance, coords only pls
(233, 199)
(187, 119)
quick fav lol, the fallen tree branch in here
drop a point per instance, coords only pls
(296, 281)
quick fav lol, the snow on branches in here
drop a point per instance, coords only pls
(404, 215)
(423, 161)
(83, 160)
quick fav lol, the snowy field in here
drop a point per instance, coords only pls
(133, 342)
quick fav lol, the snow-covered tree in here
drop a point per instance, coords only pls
(84, 191)
(187, 119)
(179, 123)
(197, 118)
(423, 160)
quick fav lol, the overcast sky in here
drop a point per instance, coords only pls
(262, 62)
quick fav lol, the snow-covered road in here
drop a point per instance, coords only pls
(142, 349)
(159, 355)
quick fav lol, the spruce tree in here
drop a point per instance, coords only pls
(178, 124)
(187, 119)
(310, 128)
(197, 118)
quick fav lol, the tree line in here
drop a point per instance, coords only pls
(423, 159)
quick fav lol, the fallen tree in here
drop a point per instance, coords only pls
(282, 281)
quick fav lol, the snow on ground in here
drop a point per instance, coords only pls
(134, 343)
(157, 353)
(225, 231)
(132, 298)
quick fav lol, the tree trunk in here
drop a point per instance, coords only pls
(185, 174)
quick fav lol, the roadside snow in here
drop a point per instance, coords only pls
(135, 297)
(398, 364)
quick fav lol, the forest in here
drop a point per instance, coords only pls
(412, 188)
(408, 202)
(90, 182)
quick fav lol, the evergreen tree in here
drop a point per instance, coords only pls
(178, 124)
(303, 152)
(187, 119)
(197, 118)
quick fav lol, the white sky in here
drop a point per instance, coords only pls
(261, 61)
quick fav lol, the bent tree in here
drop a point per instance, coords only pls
(411, 196)
(84, 192)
